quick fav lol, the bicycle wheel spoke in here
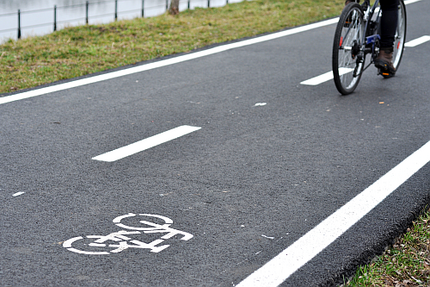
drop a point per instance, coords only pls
(347, 65)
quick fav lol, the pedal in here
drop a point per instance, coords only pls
(347, 23)
(385, 73)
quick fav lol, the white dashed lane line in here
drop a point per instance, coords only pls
(416, 42)
(164, 63)
(145, 144)
(329, 75)
(324, 77)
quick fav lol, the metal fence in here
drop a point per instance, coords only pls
(87, 4)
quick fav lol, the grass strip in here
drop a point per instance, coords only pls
(82, 50)
(78, 51)
(405, 264)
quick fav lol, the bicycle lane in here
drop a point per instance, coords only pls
(223, 184)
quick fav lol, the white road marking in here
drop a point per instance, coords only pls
(277, 270)
(416, 42)
(145, 144)
(329, 75)
(324, 77)
(163, 63)
(121, 240)
(168, 62)
(411, 1)
(18, 194)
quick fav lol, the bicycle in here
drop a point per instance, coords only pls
(356, 36)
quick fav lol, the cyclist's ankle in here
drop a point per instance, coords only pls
(387, 50)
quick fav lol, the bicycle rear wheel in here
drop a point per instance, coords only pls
(399, 38)
(348, 56)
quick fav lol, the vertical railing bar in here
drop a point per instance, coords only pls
(87, 13)
(55, 18)
(116, 10)
(19, 24)
(87, 4)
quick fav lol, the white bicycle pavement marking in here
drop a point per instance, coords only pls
(121, 241)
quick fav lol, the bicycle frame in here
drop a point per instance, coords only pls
(370, 36)
(358, 34)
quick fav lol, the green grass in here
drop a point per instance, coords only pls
(78, 51)
(405, 264)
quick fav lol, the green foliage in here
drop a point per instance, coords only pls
(406, 264)
(82, 50)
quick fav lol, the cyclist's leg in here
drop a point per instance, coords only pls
(388, 24)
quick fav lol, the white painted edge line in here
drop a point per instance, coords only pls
(277, 270)
(145, 144)
(418, 41)
(163, 63)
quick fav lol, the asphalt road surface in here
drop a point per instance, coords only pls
(215, 168)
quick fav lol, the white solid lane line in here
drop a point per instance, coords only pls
(163, 63)
(419, 41)
(277, 270)
(172, 61)
(145, 144)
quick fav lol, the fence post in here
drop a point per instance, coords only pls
(87, 4)
(167, 5)
(55, 18)
(209, 3)
(19, 24)
(116, 10)
(189, 4)
(143, 8)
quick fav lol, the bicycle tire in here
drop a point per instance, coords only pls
(400, 36)
(347, 46)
